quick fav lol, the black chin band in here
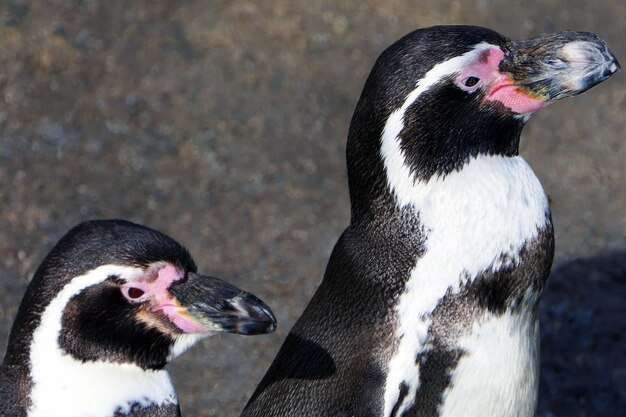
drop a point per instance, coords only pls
(440, 140)
(100, 325)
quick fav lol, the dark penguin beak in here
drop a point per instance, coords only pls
(217, 306)
(558, 65)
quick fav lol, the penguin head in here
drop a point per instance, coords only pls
(445, 94)
(117, 292)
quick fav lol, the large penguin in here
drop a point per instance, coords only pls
(107, 309)
(428, 306)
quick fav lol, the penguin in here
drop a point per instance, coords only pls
(428, 306)
(107, 309)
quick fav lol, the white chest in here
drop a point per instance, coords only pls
(68, 388)
(498, 374)
(474, 220)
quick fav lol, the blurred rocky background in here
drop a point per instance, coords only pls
(223, 124)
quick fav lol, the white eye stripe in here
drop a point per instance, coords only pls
(399, 176)
(441, 71)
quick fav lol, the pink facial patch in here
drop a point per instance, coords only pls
(500, 87)
(155, 289)
(489, 60)
(180, 318)
(513, 97)
(154, 284)
(485, 69)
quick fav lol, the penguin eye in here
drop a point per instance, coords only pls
(134, 293)
(471, 81)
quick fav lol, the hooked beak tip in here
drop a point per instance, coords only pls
(256, 317)
(613, 68)
(559, 65)
(592, 56)
(210, 305)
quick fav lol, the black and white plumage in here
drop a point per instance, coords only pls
(107, 309)
(428, 306)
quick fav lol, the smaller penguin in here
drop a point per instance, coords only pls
(107, 309)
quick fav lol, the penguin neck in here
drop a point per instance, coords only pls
(49, 382)
(373, 181)
(370, 197)
(401, 150)
(15, 374)
(66, 387)
(52, 382)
